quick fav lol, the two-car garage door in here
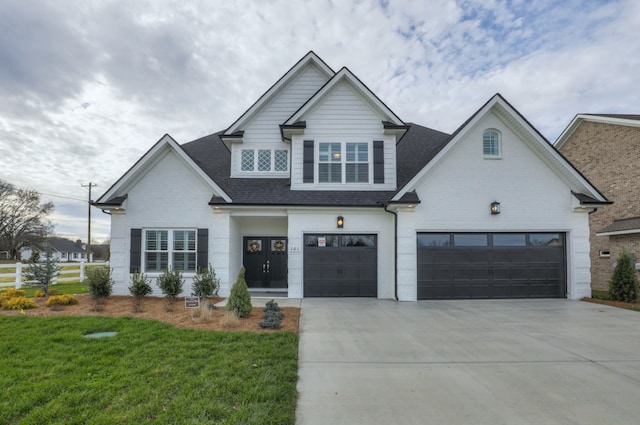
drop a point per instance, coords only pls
(491, 265)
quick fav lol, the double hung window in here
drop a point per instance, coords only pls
(175, 249)
(343, 162)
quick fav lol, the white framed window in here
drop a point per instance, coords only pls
(167, 248)
(330, 163)
(247, 160)
(343, 162)
(491, 144)
(357, 165)
(264, 160)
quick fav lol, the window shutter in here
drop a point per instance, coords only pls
(307, 167)
(202, 261)
(378, 161)
(136, 250)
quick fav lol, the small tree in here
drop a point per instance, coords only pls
(239, 301)
(205, 283)
(623, 285)
(99, 285)
(170, 283)
(43, 273)
(140, 287)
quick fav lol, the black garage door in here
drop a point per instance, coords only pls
(491, 265)
(340, 266)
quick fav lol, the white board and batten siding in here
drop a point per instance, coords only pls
(533, 198)
(263, 130)
(344, 116)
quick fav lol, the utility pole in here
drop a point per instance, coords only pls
(90, 185)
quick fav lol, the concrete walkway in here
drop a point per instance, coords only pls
(365, 361)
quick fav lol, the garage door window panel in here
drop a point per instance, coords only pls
(471, 239)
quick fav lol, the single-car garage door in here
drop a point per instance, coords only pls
(340, 265)
(491, 265)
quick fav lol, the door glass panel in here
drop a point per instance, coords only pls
(470, 239)
(278, 245)
(434, 239)
(509, 239)
(254, 245)
(545, 239)
(358, 240)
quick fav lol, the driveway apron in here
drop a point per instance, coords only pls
(368, 361)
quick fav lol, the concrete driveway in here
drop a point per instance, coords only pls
(366, 361)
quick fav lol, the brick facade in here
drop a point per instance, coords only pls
(608, 155)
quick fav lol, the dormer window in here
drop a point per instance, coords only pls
(491, 144)
(264, 160)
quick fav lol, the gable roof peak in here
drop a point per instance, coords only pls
(311, 58)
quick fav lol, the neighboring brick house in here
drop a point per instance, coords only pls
(606, 149)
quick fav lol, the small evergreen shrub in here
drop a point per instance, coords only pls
(205, 283)
(10, 293)
(623, 285)
(40, 293)
(99, 285)
(42, 273)
(272, 316)
(170, 283)
(140, 288)
(239, 301)
(18, 303)
(60, 300)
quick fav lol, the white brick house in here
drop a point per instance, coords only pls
(319, 189)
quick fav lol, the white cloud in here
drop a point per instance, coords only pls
(88, 87)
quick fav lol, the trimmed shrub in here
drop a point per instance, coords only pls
(205, 283)
(10, 293)
(170, 283)
(19, 303)
(239, 301)
(60, 300)
(99, 285)
(272, 316)
(140, 287)
(623, 285)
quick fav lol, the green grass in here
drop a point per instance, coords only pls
(600, 295)
(61, 288)
(150, 373)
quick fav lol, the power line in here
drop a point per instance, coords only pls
(62, 196)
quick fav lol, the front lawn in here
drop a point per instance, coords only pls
(150, 372)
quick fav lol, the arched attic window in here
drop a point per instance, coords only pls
(491, 143)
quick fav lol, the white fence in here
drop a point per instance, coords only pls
(15, 277)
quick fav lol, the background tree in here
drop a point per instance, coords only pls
(23, 219)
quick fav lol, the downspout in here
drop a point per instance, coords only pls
(395, 250)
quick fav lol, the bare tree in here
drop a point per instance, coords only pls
(22, 219)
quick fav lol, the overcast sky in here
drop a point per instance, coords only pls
(86, 87)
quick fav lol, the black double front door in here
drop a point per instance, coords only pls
(265, 261)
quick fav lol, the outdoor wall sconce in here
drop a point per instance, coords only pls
(495, 207)
(340, 222)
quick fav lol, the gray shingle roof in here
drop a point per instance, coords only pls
(414, 150)
(622, 225)
(64, 245)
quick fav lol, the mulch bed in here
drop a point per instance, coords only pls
(155, 308)
(618, 304)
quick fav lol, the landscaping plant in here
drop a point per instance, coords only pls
(623, 285)
(239, 301)
(272, 316)
(56, 302)
(205, 283)
(170, 283)
(99, 285)
(140, 287)
(42, 273)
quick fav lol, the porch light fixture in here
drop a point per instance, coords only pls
(340, 222)
(495, 207)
